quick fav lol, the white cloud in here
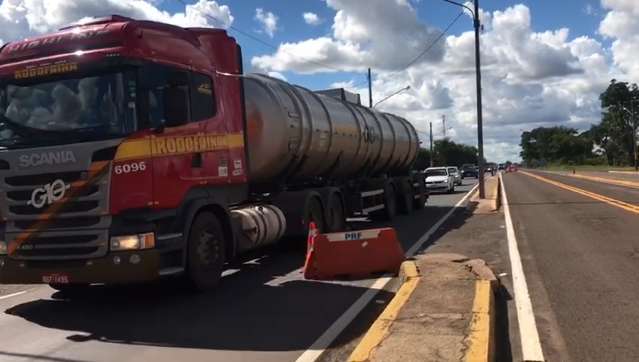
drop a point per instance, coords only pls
(312, 18)
(529, 78)
(621, 24)
(383, 34)
(20, 18)
(268, 20)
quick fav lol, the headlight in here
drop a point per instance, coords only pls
(133, 242)
(3, 248)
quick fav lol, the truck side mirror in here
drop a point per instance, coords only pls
(176, 106)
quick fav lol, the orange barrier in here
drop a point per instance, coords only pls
(353, 254)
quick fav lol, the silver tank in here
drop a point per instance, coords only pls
(295, 134)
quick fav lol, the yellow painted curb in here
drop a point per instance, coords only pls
(481, 337)
(378, 331)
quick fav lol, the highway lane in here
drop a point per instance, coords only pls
(581, 258)
(263, 311)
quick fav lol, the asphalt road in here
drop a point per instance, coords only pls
(581, 259)
(263, 311)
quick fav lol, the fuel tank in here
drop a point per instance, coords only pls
(295, 134)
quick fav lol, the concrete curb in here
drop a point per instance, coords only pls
(378, 331)
(497, 200)
(481, 337)
(480, 340)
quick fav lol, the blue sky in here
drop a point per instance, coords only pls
(547, 15)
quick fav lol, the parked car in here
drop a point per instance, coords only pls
(439, 179)
(469, 170)
(454, 171)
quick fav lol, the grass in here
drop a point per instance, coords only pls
(587, 168)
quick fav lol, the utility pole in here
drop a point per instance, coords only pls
(634, 132)
(480, 121)
(432, 156)
(370, 89)
(444, 124)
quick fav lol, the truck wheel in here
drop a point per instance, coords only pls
(420, 202)
(405, 197)
(390, 203)
(205, 252)
(336, 220)
(314, 213)
(74, 288)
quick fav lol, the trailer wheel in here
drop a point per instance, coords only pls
(420, 201)
(205, 252)
(314, 213)
(390, 202)
(336, 220)
(405, 197)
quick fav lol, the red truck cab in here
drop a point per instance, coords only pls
(113, 135)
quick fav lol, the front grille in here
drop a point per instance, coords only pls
(70, 207)
(74, 230)
(59, 223)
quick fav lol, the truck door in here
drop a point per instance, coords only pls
(177, 160)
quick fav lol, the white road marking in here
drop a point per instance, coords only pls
(12, 295)
(530, 345)
(322, 343)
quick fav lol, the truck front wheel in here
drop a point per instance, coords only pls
(205, 252)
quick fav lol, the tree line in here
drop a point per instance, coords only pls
(446, 153)
(611, 142)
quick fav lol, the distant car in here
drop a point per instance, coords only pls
(469, 170)
(501, 166)
(439, 179)
(512, 168)
(457, 177)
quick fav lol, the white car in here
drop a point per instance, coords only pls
(439, 179)
(454, 171)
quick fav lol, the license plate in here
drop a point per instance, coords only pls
(55, 278)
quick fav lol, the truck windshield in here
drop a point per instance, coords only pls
(98, 106)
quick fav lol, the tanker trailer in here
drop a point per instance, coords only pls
(326, 159)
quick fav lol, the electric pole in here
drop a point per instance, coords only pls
(432, 156)
(370, 89)
(444, 124)
(480, 121)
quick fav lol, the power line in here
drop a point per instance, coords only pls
(264, 42)
(426, 50)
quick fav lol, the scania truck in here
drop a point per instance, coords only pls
(132, 150)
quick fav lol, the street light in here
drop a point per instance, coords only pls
(392, 95)
(480, 131)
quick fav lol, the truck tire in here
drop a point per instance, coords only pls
(335, 216)
(314, 213)
(405, 196)
(70, 289)
(420, 201)
(206, 252)
(390, 204)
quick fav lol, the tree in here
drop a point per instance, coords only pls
(615, 132)
(560, 144)
(446, 153)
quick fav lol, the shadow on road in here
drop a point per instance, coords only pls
(265, 306)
